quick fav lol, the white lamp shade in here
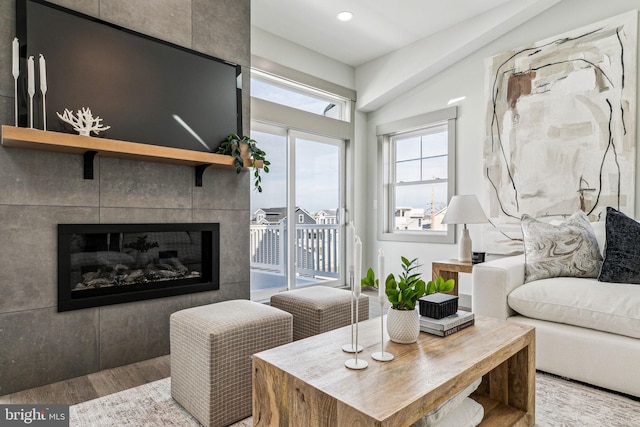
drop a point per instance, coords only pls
(464, 210)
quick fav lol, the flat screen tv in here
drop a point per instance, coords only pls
(149, 91)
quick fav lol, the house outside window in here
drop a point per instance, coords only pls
(417, 158)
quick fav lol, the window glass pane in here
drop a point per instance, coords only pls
(268, 217)
(434, 168)
(318, 195)
(407, 148)
(420, 207)
(435, 144)
(297, 96)
(274, 184)
(408, 171)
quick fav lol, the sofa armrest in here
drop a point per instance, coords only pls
(492, 282)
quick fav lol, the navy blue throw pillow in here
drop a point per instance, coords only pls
(622, 249)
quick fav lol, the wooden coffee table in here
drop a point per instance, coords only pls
(305, 383)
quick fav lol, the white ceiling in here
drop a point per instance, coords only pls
(384, 33)
(377, 28)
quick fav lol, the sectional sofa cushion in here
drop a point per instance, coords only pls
(611, 307)
(622, 249)
(568, 249)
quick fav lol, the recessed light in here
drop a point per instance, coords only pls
(345, 16)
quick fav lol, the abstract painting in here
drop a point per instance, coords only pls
(560, 129)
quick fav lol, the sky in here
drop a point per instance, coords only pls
(317, 174)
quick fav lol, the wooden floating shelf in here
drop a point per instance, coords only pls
(36, 139)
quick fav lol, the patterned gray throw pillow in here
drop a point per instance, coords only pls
(569, 249)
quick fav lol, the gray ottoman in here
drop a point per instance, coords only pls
(211, 349)
(319, 309)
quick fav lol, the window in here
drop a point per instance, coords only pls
(274, 89)
(418, 177)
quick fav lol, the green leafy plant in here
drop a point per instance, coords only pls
(403, 293)
(232, 147)
(440, 285)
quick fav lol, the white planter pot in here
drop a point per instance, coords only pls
(403, 326)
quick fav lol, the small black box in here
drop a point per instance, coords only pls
(438, 305)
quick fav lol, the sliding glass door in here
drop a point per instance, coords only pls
(296, 225)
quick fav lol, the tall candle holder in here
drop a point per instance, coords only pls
(356, 363)
(352, 347)
(381, 356)
(16, 74)
(43, 89)
(351, 234)
(31, 88)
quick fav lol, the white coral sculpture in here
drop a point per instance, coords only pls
(84, 123)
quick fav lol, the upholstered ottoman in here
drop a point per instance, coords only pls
(211, 349)
(319, 309)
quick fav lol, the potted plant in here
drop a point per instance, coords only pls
(241, 148)
(403, 322)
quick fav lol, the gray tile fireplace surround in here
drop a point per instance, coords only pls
(40, 189)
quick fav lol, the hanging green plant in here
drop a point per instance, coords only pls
(236, 146)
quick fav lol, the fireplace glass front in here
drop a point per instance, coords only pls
(100, 264)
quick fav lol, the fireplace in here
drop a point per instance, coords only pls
(102, 264)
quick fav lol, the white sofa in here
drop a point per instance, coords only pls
(585, 329)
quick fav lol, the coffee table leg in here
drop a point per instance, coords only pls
(512, 384)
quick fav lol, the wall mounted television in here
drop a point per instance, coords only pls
(148, 90)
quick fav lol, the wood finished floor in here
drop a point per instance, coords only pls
(94, 385)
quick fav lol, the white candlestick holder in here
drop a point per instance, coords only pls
(16, 100)
(382, 356)
(356, 363)
(352, 347)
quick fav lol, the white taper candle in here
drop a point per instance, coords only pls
(357, 255)
(381, 277)
(351, 233)
(31, 88)
(16, 58)
(43, 74)
(31, 85)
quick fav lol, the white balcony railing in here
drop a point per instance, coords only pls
(317, 249)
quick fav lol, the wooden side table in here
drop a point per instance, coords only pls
(449, 269)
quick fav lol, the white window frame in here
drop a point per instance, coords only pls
(386, 158)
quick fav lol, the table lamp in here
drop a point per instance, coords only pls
(464, 210)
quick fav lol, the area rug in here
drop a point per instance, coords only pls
(559, 403)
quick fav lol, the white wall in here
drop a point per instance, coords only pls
(466, 78)
(284, 52)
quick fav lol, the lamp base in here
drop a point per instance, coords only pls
(464, 246)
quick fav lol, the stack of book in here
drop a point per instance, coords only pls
(447, 325)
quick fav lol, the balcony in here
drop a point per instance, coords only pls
(317, 255)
